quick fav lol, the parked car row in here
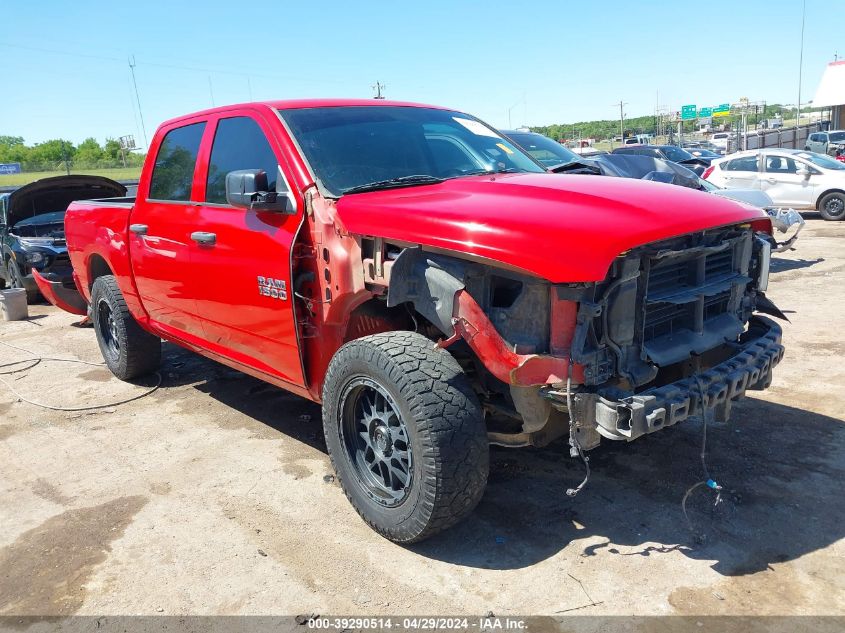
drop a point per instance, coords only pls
(560, 159)
(697, 163)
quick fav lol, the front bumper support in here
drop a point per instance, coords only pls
(630, 417)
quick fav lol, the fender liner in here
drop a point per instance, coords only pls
(429, 282)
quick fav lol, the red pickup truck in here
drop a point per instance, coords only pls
(430, 284)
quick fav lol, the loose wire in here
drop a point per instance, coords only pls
(708, 480)
(575, 446)
(39, 359)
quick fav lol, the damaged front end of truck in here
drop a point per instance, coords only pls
(675, 328)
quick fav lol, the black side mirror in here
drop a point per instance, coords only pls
(249, 189)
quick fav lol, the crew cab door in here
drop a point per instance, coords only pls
(159, 232)
(241, 257)
(785, 186)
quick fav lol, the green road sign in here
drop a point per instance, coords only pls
(688, 112)
(705, 112)
(725, 107)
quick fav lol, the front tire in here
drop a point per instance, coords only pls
(405, 434)
(128, 350)
(832, 206)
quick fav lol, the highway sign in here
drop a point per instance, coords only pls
(705, 112)
(688, 112)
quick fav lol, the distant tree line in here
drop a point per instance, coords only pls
(53, 155)
(609, 128)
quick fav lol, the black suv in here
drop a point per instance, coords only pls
(671, 153)
(32, 228)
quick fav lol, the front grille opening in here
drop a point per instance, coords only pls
(664, 319)
(719, 265)
(716, 305)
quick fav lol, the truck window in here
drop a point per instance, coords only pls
(173, 173)
(239, 143)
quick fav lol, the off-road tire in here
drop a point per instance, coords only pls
(445, 430)
(832, 198)
(136, 352)
(16, 281)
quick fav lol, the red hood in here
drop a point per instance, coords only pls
(563, 228)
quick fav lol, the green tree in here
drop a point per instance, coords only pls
(89, 153)
(54, 151)
(10, 141)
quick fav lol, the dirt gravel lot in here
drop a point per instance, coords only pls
(214, 495)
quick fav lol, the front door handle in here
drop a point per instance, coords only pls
(771, 181)
(138, 229)
(201, 237)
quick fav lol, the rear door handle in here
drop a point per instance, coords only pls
(771, 181)
(201, 237)
(138, 229)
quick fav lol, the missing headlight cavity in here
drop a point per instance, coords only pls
(504, 292)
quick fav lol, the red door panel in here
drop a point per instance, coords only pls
(243, 279)
(160, 259)
(248, 321)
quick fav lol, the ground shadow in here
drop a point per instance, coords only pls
(296, 417)
(781, 264)
(781, 467)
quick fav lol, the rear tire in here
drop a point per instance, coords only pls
(128, 350)
(405, 434)
(832, 206)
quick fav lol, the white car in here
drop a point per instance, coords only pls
(792, 178)
(720, 140)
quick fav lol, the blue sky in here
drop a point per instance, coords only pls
(65, 71)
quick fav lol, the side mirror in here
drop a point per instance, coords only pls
(803, 172)
(249, 189)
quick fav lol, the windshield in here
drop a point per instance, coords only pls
(837, 137)
(351, 147)
(543, 149)
(676, 153)
(822, 161)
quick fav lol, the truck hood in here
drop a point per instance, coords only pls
(50, 195)
(560, 228)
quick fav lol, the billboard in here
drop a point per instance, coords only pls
(10, 168)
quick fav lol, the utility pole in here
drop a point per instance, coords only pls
(510, 125)
(66, 159)
(211, 91)
(800, 68)
(138, 99)
(621, 105)
(378, 88)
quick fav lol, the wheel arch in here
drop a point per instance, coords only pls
(97, 267)
(826, 192)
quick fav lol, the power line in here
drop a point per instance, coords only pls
(138, 98)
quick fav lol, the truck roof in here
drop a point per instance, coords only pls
(295, 104)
